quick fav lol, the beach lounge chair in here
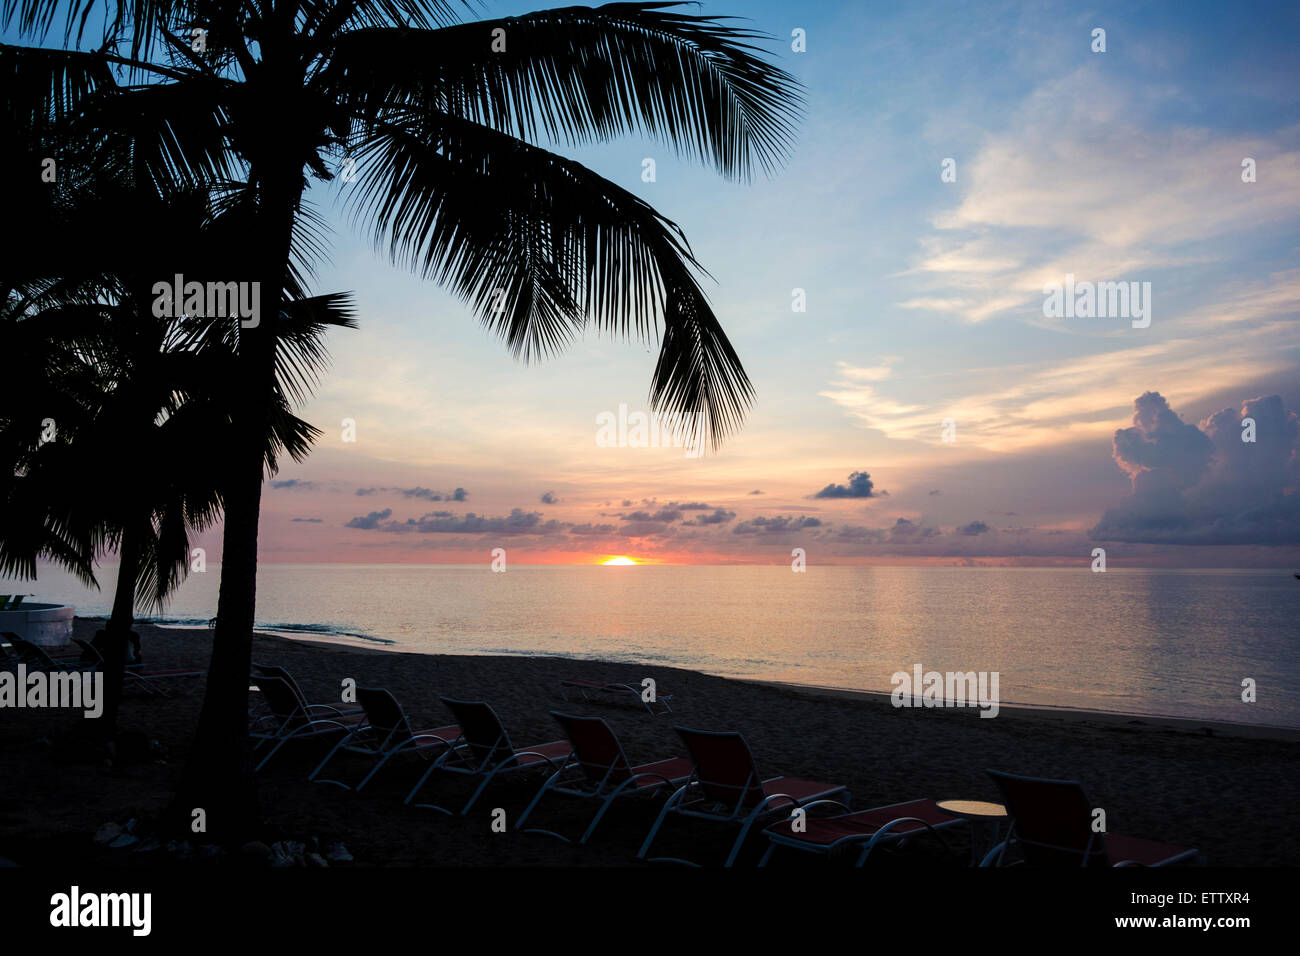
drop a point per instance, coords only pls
(38, 658)
(289, 719)
(384, 734)
(134, 675)
(726, 787)
(586, 690)
(274, 670)
(892, 825)
(485, 751)
(600, 770)
(1051, 825)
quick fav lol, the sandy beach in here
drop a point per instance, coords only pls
(1212, 786)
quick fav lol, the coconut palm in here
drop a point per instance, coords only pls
(441, 129)
(141, 407)
(139, 403)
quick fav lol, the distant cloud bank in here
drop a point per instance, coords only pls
(1208, 484)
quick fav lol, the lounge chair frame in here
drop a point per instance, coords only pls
(294, 722)
(374, 740)
(575, 781)
(460, 757)
(883, 836)
(1093, 852)
(688, 800)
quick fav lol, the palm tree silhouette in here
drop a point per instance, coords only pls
(152, 393)
(437, 123)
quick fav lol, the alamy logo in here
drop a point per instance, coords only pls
(209, 300)
(641, 430)
(950, 689)
(75, 908)
(1098, 300)
(78, 690)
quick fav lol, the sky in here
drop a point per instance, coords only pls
(923, 407)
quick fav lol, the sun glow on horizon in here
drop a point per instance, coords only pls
(619, 561)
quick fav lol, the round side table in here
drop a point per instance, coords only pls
(985, 823)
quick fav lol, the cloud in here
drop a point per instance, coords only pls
(1053, 401)
(308, 520)
(859, 533)
(296, 484)
(860, 486)
(972, 529)
(777, 525)
(548, 498)
(719, 516)
(757, 491)
(935, 492)
(1135, 198)
(517, 522)
(424, 494)
(663, 516)
(907, 531)
(1202, 484)
(370, 521)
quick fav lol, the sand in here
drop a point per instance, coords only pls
(1230, 791)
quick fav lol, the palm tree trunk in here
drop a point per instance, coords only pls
(118, 631)
(218, 775)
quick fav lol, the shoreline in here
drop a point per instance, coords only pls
(1192, 725)
(1223, 728)
(1173, 783)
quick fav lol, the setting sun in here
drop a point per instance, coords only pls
(619, 561)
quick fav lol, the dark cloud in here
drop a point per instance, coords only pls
(548, 498)
(972, 529)
(777, 525)
(935, 492)
(297, 484)
(689, 505)
(309, 520)
(908, 531)
(645, 529)
(441, 522)
(370, 521)
(855, 532)
(663, 516)
(1204, 485)
(518, 522)
(719, 516)
(860, 486)
(423, 494)
(758, 491)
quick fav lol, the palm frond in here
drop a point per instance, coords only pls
(580, 74)
(539, 245)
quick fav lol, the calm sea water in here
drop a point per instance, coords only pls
(1175, 643)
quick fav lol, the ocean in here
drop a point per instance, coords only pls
(1146, 642)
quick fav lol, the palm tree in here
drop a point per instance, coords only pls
(141, 402)
(440, 122)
